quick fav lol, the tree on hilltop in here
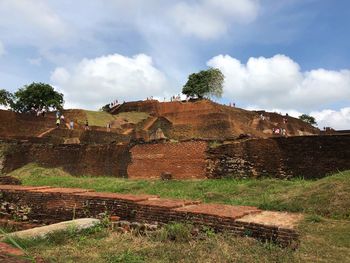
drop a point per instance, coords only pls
(6, 98)
(204, 83)
(308, 119)
(36, 97)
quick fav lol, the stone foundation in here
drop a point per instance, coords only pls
(50, 205)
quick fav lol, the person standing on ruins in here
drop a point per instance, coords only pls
(71, 125)
(86, 125)
(58, 122)
(62, 119)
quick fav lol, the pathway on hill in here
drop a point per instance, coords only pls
(45, 132)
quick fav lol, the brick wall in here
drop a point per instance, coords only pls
(77, 159)
(50, 205)
(305, 156)
(183, 160)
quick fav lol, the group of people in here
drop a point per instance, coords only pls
(279, 130)
(60, 119)
(263, 117)
(176, 98)
(114, 103)
(41, 112)
(232, 104)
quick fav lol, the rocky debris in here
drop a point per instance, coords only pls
(17, 212)
(126, 226)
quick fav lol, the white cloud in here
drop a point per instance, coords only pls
(32, 22)
(339, 120)
(278, 82)
(211, 18)
(95, 82)
(2, 49)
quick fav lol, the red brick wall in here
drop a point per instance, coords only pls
(50, 205)
(184, 160)
(77, 159)
(310, 157)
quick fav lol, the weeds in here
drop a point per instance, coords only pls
(177, 232)
(313, 218)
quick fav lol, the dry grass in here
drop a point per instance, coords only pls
(326, 241)
(328, 197)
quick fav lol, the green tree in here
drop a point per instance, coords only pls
(204, 83)
(106, 108)
(308, 119)
(37, 96)
(6, 98)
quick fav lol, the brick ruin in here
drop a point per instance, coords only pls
(50, 205)
(310, 157)
(301, 156)
(185, 160)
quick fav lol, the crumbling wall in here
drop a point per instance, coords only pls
(49, 205)
(184, 160)
(77, 159)
(305, 156)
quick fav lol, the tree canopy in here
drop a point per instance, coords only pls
(204, 83)
(308, 119)
(33, 97)
(6, 98)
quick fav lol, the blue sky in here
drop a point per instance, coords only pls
(282, 55)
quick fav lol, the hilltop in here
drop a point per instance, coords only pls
(177, 120)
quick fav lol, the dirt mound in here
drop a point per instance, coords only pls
(206, 119)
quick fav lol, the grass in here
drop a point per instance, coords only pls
(101, 118)
(321, 242)
(328, 197)
(98, 118)
(325, 231)
(133, 116)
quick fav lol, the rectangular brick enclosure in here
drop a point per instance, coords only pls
(51, 205)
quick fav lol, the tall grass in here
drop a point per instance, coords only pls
(329, 197)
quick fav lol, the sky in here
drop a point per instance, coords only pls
(288, 56)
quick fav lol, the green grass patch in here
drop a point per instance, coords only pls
(133, 116)
(97, 118)
(327, 197)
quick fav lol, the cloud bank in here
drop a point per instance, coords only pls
(94, 82)
(339, 120)
(279, 82)
(208, 19)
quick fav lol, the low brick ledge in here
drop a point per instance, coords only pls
(51, 204)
